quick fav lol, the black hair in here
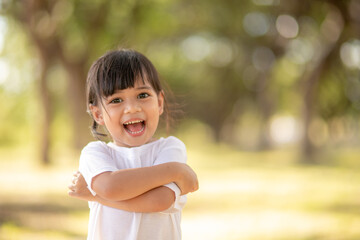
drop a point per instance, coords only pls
(118, 70)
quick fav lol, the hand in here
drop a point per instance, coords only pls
(187, 181)
(78, 188)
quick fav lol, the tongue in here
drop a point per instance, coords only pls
(136, 127)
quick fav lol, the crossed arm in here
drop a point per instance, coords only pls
(139, 189)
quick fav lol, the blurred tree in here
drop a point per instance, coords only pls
(73, 33)
(43, 20)
(260, 34)
(333, 25)
(227, 57)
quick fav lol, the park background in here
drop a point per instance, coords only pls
(270, 93)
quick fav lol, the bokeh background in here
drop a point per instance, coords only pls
(271, 95)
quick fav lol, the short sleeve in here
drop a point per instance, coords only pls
(179, 202)
(173, 150)
(95, 158)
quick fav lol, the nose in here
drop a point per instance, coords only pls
(132, 107)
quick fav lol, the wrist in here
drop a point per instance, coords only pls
(176, 173)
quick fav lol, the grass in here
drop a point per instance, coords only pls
(243, 195)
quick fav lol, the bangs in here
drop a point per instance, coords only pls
(119, 72)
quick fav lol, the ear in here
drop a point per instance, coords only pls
(161, 101)
(97, 114)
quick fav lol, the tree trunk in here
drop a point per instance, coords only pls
(329, 45)
(26, 15)
(307, 148)
(47, 114)
(265, 103)
(77, 98)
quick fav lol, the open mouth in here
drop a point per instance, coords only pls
(135, 127)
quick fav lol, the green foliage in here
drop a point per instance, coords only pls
(333, 101)
(222, 58)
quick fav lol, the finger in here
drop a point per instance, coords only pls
(74, 180)
(76, 173)
(71, 187)
(72, 194)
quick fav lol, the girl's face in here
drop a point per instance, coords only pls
(131, 115)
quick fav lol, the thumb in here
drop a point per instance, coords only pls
(71, 193)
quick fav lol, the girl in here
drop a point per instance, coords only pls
(137, 183)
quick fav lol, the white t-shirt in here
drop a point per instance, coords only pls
(106, 223)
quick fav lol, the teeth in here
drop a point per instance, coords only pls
(133, 122)
(136, 132)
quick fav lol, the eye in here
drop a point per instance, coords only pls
(143, 95)
(116, 100)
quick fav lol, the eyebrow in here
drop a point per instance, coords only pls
(144, 87)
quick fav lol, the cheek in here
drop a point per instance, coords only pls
(154, 113)
(151, 107)
(111, 115)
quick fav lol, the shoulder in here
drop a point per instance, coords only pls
(95, 146)
(172, 144)
(171, 149)
(96, 152)
(172, 141)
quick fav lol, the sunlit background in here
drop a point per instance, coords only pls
(270, 91)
